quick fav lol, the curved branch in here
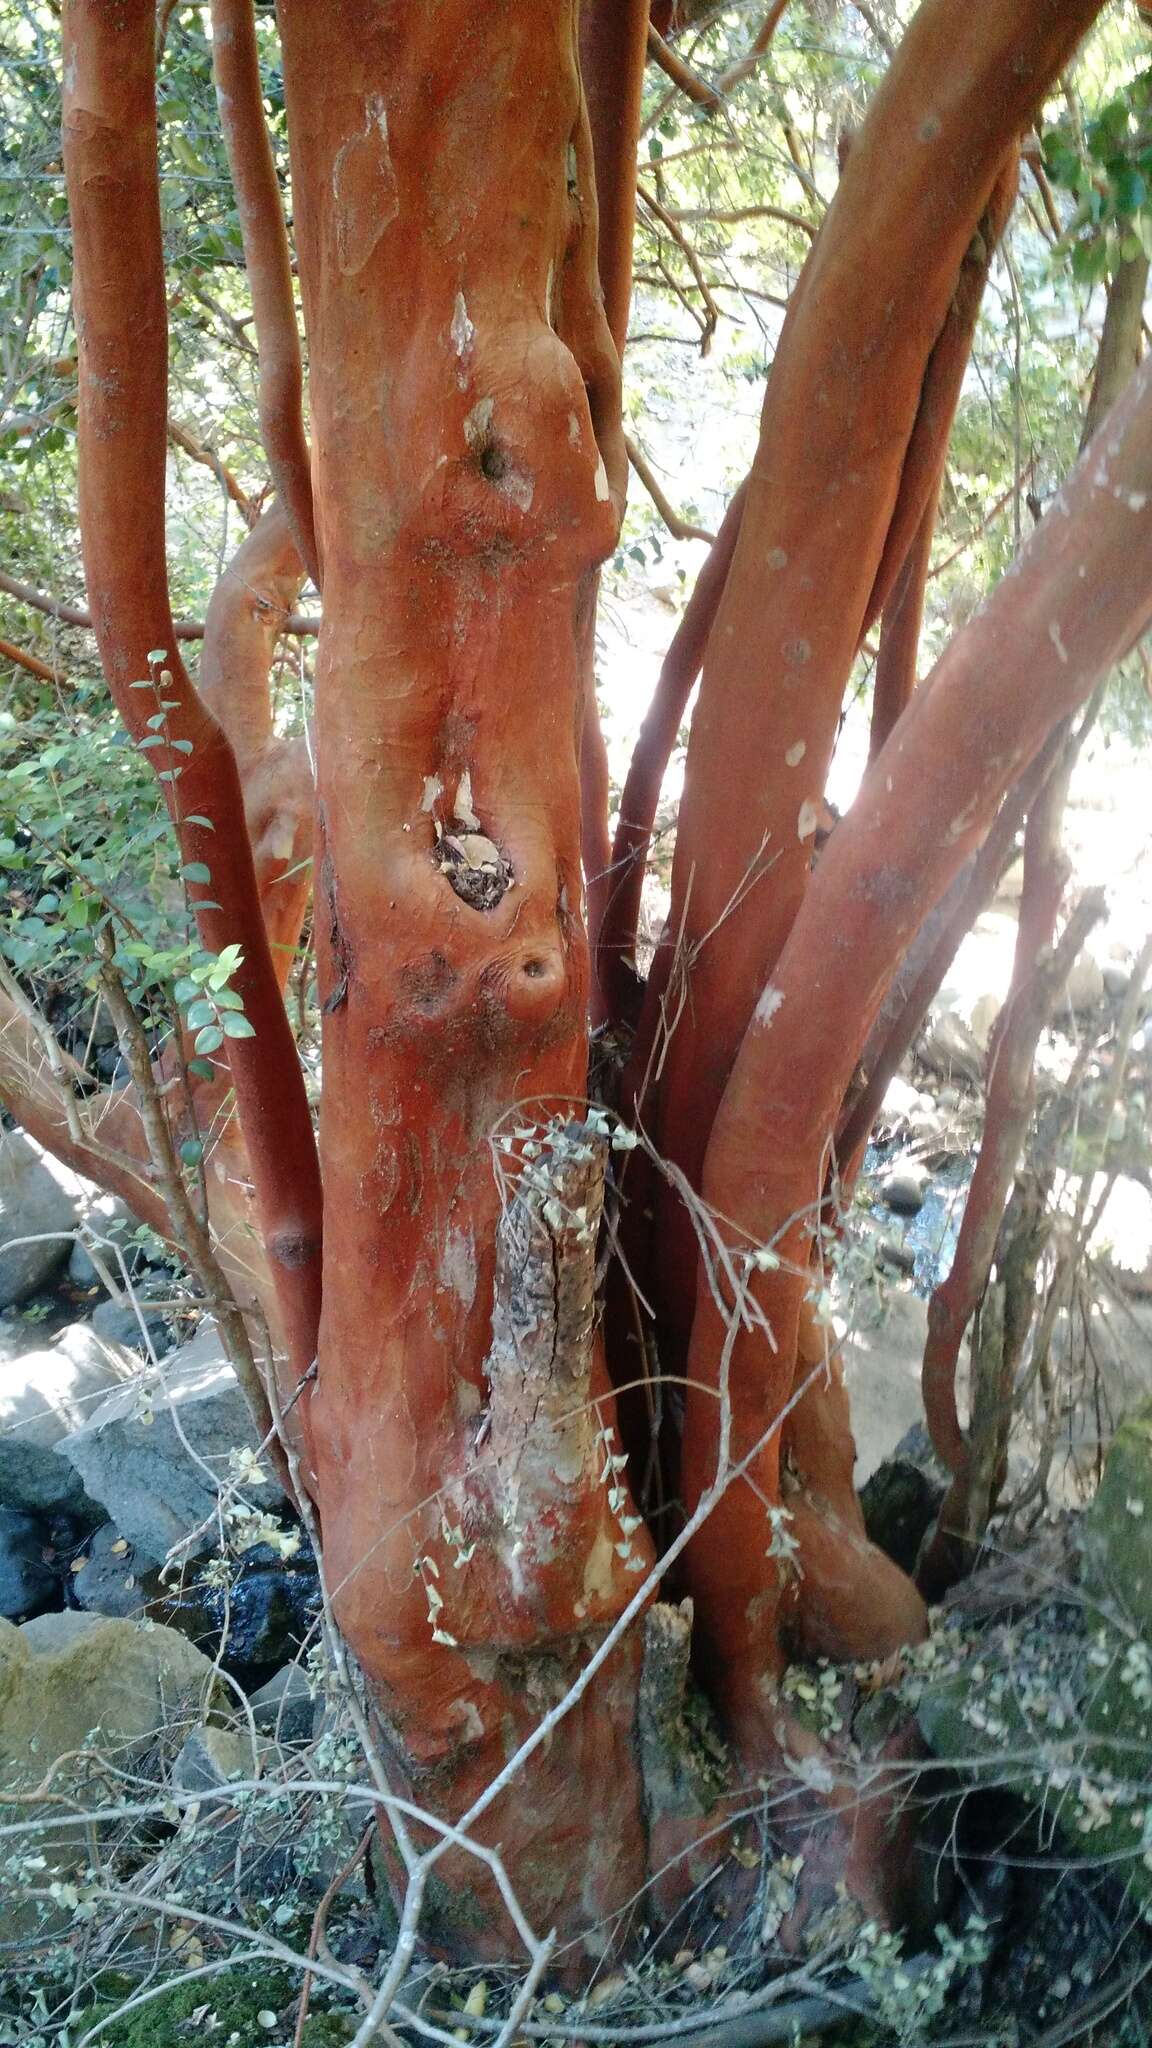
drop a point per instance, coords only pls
(182, 437)
(689, 82)
(111, 168)
(31, 662)
(1023, 664)
(269, 266)
(655, 741)
(678, 527)
(298, 623)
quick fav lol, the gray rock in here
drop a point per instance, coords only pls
(111, 1223)
(27, 1581)
(44, 1395)
(131, 1457)
(114, 1577)
(120, 1324)
(50, 1633)
(33, 1204)
(950, 1048)
(213, 1757)
(285, 1709)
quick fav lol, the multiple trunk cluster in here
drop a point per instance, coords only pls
(494, 1461)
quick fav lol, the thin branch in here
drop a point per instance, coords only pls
(689, 82)
(669, 223)
(299, 623)
(182, 437)
(31, 662)
(236, 63)
(678, 527)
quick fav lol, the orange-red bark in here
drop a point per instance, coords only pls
(1074, 603)
(119, 297)
(469, 475)
(837, 430)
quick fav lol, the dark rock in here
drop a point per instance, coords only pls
(902, 1189)
(901, 1502)
(120, 1324)
(269, 1612)
(115, 1578)
(284, 1709)
(29, 1581)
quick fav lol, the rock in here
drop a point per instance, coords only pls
(131, 1458)
(950, 1048)
(261, 1845)
(269, 1611)
(1084, 988)
(114, 1578)
(73, 1686)
(982, 1017)
(28, 1582)
(900, 1100)
(285, 1709)
(903, 1497)
(902, 1190)
(882, 1358)
(213, 1757)
(33, 1204)
(120, 1324)
(111, 1223)
(44, 1395)
(1116, 1540)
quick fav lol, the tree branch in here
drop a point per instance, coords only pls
(236, 63)
(110, 158)
(678, 527)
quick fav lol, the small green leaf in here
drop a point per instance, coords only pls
(228, 999)
(181, 746)
(157, 654)
(201, 1013)
(210, 1039)
(195, 871)
(156, 721)
(237, 1027)
(169, 775)
(205, 824)
(154, 739)
(145, 683)
(192, 1151)
(186, 990)
(202, 1069)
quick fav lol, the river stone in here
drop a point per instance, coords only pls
(132, 1459)
(32, 1203)
(44, 1395)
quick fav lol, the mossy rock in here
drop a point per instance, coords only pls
(235, 2000)
(1117, 1529)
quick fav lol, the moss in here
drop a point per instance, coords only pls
(236, 1998)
